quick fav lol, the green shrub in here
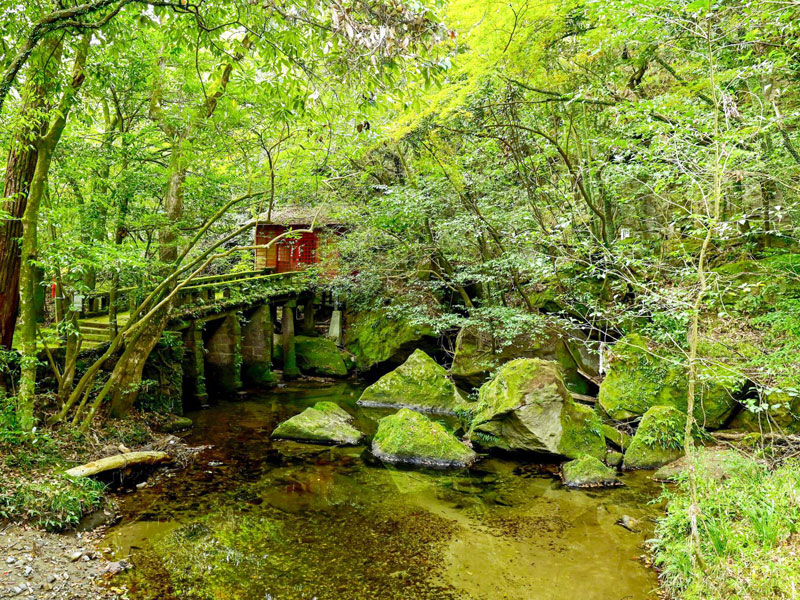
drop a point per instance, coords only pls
(54, 503)
(748, 525)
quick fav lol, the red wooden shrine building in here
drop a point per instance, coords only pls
(301, 250)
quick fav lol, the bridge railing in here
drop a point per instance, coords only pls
(202, 290)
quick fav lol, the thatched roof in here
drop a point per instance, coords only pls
(302, 214)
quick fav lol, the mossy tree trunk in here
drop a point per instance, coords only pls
(20, 169)
(46, 145)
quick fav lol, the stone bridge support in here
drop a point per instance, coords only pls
(195, 394)
(223, 342)
(257, 331)
(290, 370)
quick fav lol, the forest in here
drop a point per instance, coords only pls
(437, 299)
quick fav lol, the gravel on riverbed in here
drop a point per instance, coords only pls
(37, 565)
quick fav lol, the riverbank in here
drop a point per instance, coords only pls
(40, 565)
(51, 523)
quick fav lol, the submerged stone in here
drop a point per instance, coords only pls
(419, 383)
(412, 438)
(325, 422)
(658, 440)
(319, 356)
(638, 379)
(587, 471)
(527, 407)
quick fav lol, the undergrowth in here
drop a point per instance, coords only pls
(33, 487)
(53, 502)
(748, 525)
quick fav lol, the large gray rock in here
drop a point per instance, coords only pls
(325, 422)
(377, 338)
(640, 376)
(527, 407)
(419, 383)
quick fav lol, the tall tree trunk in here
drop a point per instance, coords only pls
(127, 372)
(20, 168)
(27, 280)
(173, 207)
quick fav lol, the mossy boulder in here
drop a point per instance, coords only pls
(638, 379)
(658, 440)
(477, 356)
(325, 422)
(527, 407)
(174, 424)
(375, 337)
(319, 356)
(614, 458)
(777, 410)
(412, 438)
(419, 383)
(588, 472)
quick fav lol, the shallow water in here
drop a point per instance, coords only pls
(253, 518)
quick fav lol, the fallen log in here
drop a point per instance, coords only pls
(583, 398)
(119, 461)
(726, 436)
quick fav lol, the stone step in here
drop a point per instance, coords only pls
(95, 336)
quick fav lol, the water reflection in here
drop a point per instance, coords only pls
(253, 518)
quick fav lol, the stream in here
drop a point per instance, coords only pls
(253, 518)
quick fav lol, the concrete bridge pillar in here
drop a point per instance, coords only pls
(309, 310)
(257, 334)
(224, 354)
(195, 394)
(290, 370)
(335, 327)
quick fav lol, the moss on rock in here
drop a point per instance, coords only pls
(587, 471)
(477, 356)
(778, 410)
(374, 337)
(325, 422)
(658, 440)
(319, 356)
(637, 380)
(412, 438)
(419, 383)
(527, 407)
(614, 458)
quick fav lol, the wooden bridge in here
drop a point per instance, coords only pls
(227, 324)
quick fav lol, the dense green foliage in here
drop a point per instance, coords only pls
(578, 171)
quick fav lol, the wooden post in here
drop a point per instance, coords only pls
(290, 370)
